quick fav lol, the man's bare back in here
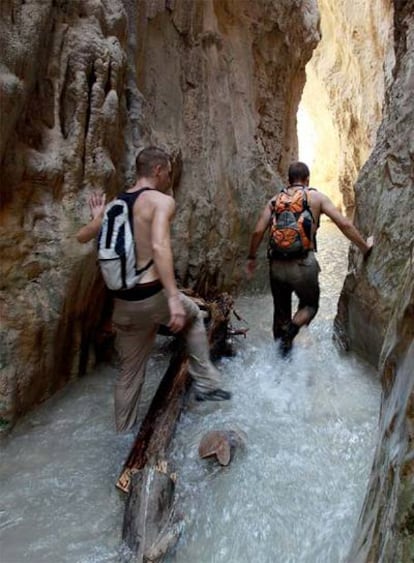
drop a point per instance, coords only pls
(153, 213)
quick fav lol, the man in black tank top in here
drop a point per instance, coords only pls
(155, 300)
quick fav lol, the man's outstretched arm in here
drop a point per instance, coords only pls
(346, 226)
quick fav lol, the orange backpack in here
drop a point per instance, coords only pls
(290, 226)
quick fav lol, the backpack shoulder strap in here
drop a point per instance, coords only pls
(275, 199)
(130, 198)
(307, 200)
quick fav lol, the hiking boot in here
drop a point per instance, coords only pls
(213, 395)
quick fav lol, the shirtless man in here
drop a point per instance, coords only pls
(298, 275)
(155, 301)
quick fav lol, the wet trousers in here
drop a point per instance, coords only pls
(136, 324)
(299, 276)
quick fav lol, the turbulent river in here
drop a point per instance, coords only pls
(293, 494)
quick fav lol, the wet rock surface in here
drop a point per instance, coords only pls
(220, 445)
(376, 307)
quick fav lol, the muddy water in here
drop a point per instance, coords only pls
(292, 495)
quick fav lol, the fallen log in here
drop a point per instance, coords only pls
(150, 527)
(158, 426)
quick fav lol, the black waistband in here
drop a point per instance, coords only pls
(280, 256)
(139, 292)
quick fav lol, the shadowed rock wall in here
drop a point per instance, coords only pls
(84, 85)
(63, 117)
(376, 309)
(386, 528)
(384, 208)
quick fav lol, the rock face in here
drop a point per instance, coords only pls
(385, 209)
(344, 93)
(63, 116)
(223, 80)
(376, 309)
(84, 85)
(390, 496)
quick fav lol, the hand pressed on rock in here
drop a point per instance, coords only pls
(96, 203)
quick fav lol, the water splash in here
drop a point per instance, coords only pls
(296, 492)
(293, 495)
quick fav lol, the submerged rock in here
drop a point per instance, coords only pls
(221, 444)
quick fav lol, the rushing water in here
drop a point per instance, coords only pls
(293, 494)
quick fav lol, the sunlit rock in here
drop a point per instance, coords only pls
(341, 107)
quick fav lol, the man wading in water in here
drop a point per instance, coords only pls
(155, 300)
(292, 218)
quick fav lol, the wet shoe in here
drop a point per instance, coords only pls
(286, 341)
(285, 347)
(213, 395)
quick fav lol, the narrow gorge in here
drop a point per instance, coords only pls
(234, 90)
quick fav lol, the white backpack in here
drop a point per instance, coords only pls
(116, 243)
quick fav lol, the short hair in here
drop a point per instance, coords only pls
(149, 158)
(298, 172)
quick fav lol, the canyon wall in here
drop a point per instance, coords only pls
(376, 309)
(223, 79)
(344, 93)
(84, 85)
(63, 117)
(384, 208)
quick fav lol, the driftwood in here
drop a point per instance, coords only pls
(159, 424)
(150, 526)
